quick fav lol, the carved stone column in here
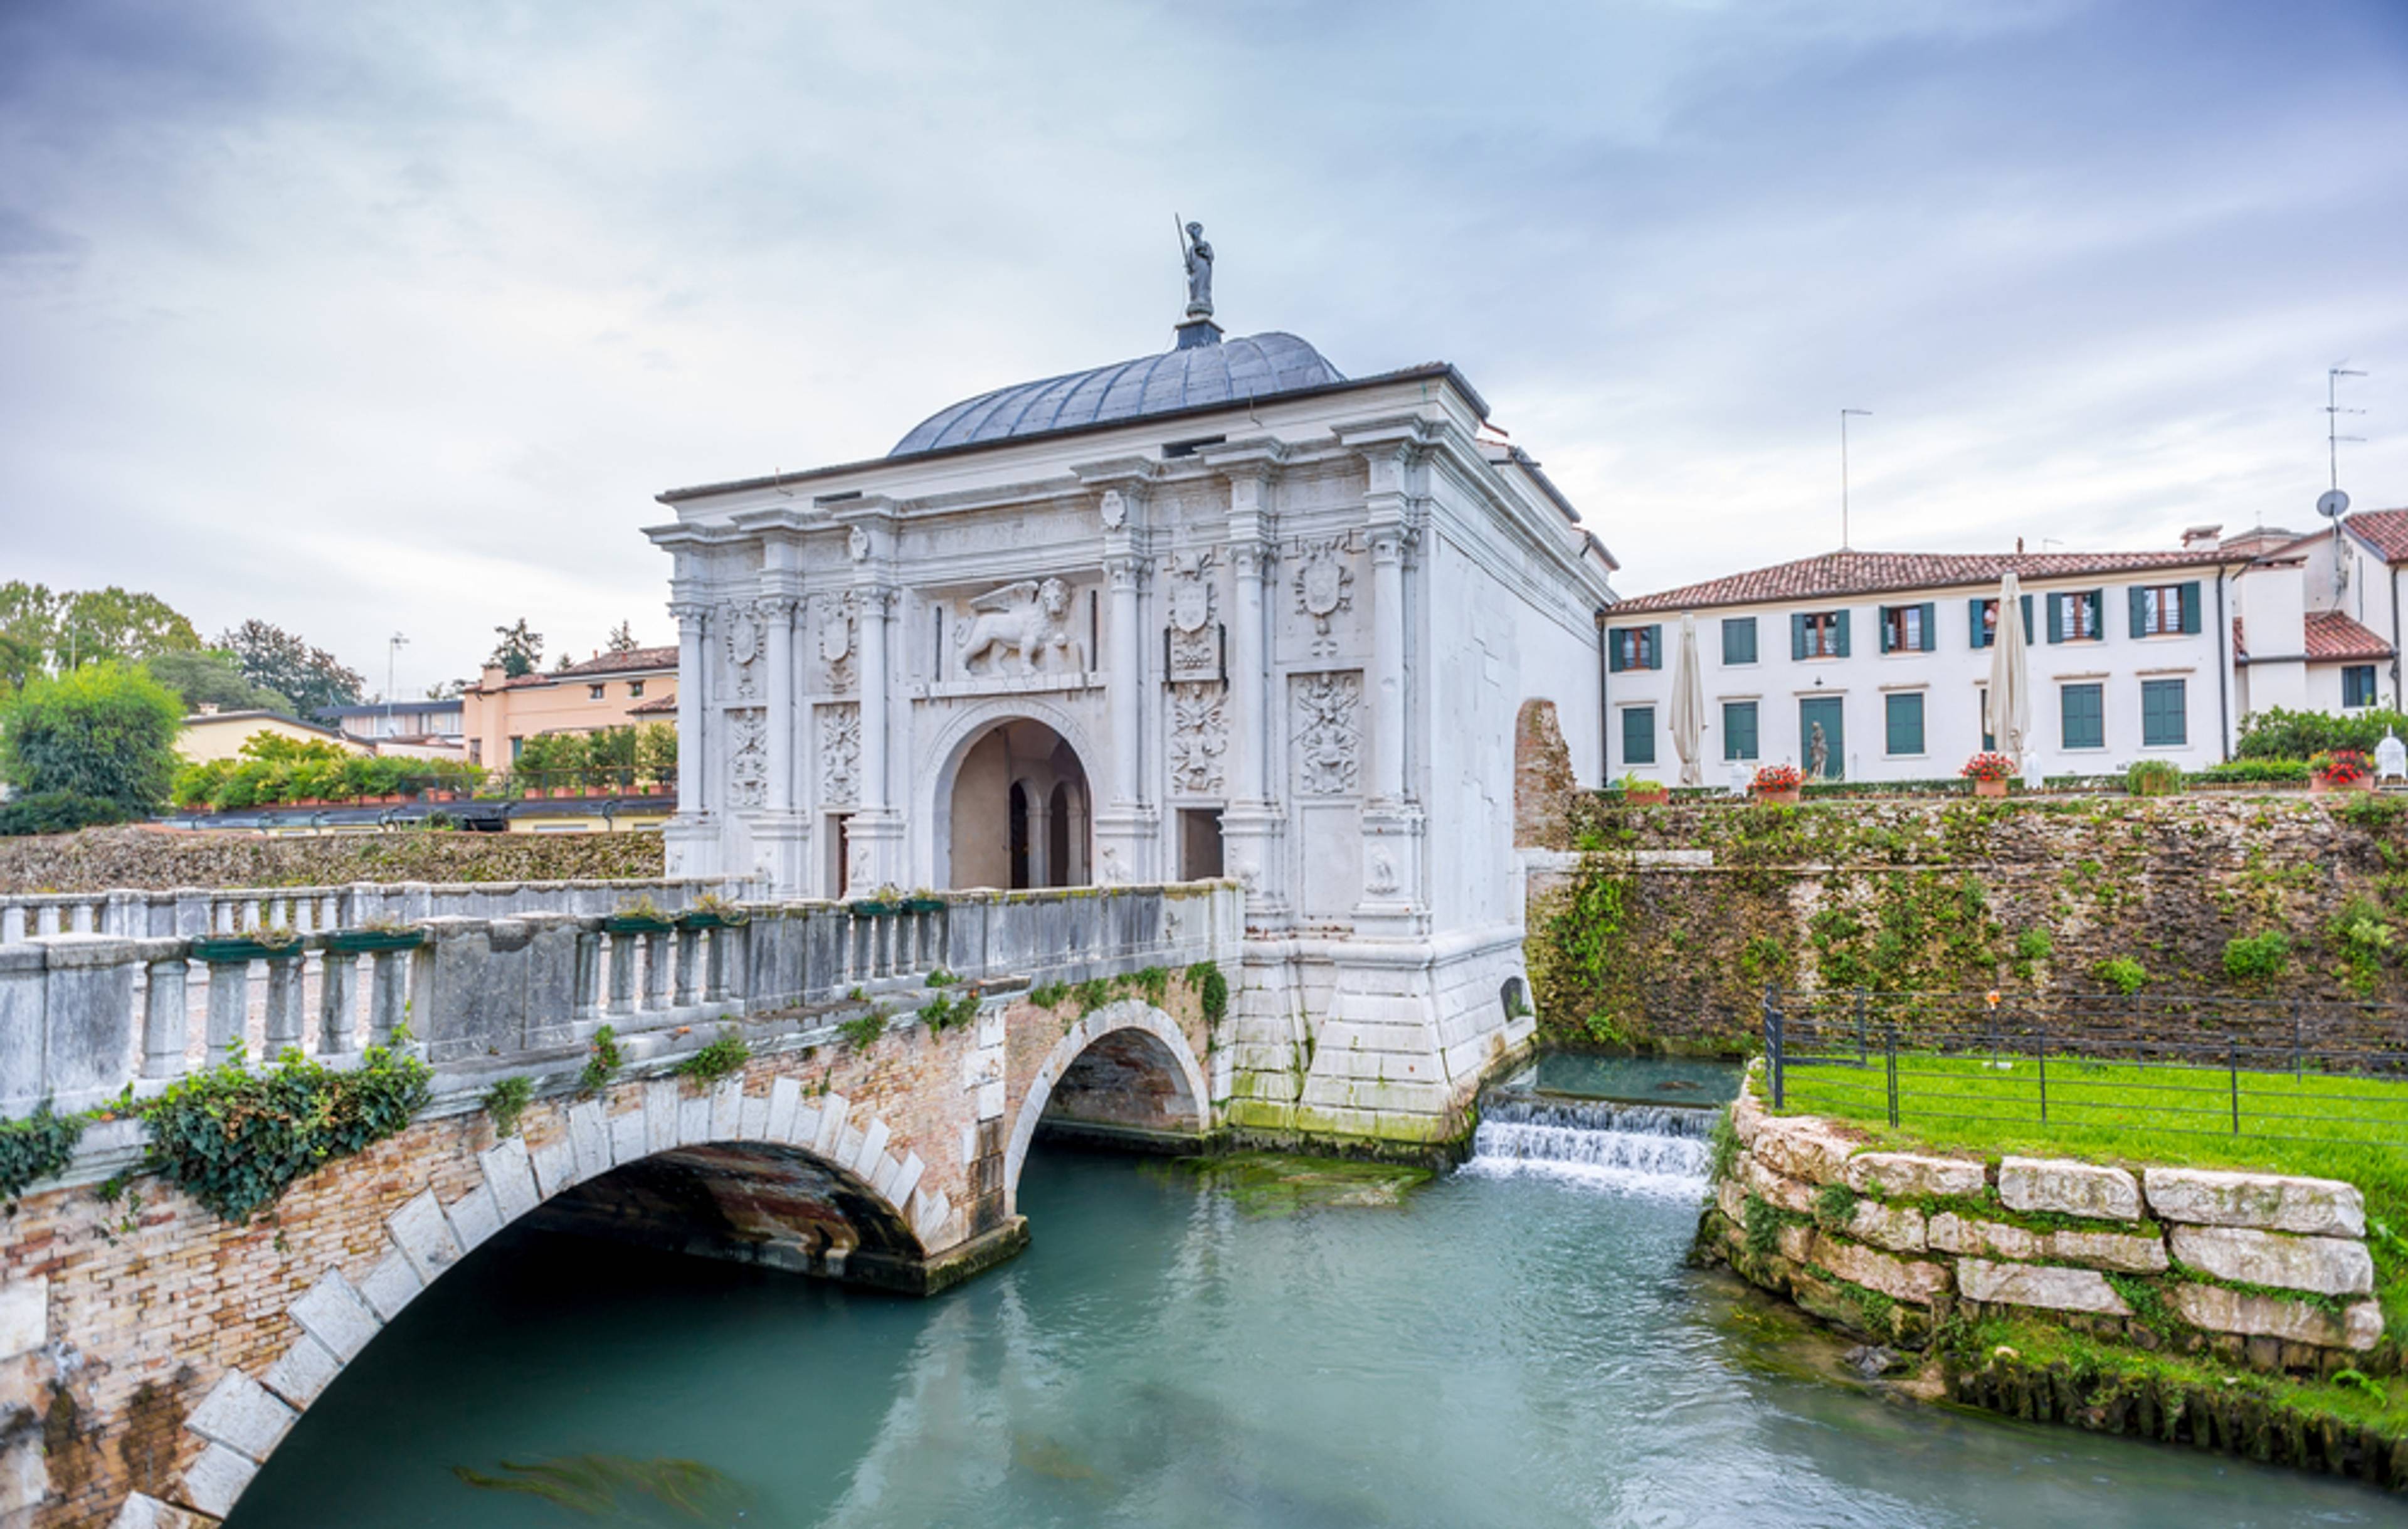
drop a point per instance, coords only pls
(690, 839)
(1125, 827)
(1254, 827)
(876, 836)
(1393, 824)
(781, 837)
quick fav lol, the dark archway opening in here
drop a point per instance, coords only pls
(1124, 1091)
(1018, 812)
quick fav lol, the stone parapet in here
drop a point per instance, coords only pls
(2198, 1258)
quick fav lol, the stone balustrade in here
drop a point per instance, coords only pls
(2268, 1270)
(84, 1016)
(192, 911)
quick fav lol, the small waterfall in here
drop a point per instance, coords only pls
(1652, 1149)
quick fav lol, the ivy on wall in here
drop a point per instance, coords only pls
(235, 1139)
(36, 1147)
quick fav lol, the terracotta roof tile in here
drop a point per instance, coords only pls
(1844, 574)
(634, 660)
(2385, 530)
(2332, 635)
(657, 706)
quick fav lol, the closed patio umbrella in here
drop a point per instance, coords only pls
(2006, 710)
(1689, 706)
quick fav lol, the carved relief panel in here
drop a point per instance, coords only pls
(1325, 732)
(748, 757)
(1199, 737)
(1194, 642)
(839, 751)
(1024, 629)
(835, 620)
(1319, 611)
(741, 628)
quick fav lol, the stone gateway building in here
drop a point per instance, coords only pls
(1218, 611)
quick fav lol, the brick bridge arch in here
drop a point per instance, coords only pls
(1112, 1051)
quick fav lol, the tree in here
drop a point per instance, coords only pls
(20, 661)
(623, 638)
(519, 649)
(113, 623)
(29, 619)
(210, 677)
(275, 659)
(105, 730)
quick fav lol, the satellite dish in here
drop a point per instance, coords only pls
(2331, 503)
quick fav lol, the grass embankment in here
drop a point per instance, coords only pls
(2319, 1126)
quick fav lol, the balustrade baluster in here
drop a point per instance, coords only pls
(589, 975)
(166, 1018)
(689, 941)
(623, 974)
(388, 994)
(338, 976)
(229, 1016)
(284, 1006)
(656, 969)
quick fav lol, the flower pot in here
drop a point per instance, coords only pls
(1787, 798)
(1990, 788)
(637, 923)
(2319, 784)
(367, 942)
(711, 918)
(532, 794)
(229, 950)
(1647, 795)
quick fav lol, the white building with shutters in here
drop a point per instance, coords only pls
(1882, 658)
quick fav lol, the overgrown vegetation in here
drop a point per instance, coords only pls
(104, 731)
(235, 1139)
(2257, 957)
(723, 1058)
(942, 1013)
(505, 1101)
(36, 1147)
(1211, 990)
(2123, 974)
(603, 1059)
(862, 1031)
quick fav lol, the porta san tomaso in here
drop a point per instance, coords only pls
(1217, 612)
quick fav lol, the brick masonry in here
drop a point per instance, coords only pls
(155, 1354)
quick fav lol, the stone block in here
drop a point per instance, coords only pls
(1898, 1174)
(303, 1371)
(807, 1125)
(1953, 1234)
(333, 1313)
(727, 1110)
(555, 1166)
(907, 1181)
(785, 1098)
(2126, 1253)
(2323, 1265)
(1802, 1147)
(24, 1316)
(693, 1120)
(217, 1480)
(588, 1139)
(832, 1111)
(241, 1414)
(752, 1119)
(881, 1182)
(873, 1146)
(1732, 1199)
(1746, 1115)
(423, 1236)
(1898, 1228)
(1901, 1279)
(1773, 1189)
(2266, 1202)
(2038, 1285)
(511, 1176)
(631, 1137)
(2067, 1188)
(2218, 1309)
(474, 1216)
(1795, 1240)
(392, 1285)
(143, 1511)
(988, 1101)
(660, 1114)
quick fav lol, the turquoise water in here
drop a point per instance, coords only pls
(1668, 1082)
(1517, 1344)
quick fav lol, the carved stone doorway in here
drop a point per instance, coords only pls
(1020, 812)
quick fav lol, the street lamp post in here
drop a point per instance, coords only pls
(392, 654)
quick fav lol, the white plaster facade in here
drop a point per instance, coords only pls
(1283, 638)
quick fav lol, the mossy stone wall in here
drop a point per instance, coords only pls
(1665, 923)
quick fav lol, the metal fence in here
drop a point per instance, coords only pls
(2274, 1070)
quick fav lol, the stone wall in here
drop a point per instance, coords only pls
(2258, 1269)
(151, 858)
(1668, 922)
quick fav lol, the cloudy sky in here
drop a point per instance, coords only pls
(367, 317)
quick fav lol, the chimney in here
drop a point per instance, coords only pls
(492, 678)
(2019, 546)
(2202, 535)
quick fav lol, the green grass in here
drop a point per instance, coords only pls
(2315, 1125)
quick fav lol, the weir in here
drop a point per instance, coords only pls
(1639, 1146)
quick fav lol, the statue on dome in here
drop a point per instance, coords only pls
(1199, 256)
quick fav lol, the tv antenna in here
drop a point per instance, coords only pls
(1844, 471)
(2333, 503)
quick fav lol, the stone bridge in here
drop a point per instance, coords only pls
(902, 1057)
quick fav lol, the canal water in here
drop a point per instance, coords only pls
(1516, 1344)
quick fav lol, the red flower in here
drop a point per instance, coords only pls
(1988, 766)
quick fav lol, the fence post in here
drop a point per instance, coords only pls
(2298, 1075)
(1860, 1027)
(2233, 1070)
(1773, 1037)
(1889, 1054)
(2040, 1058)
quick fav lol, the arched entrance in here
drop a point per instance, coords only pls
(1124, 1076)
(1018, 813)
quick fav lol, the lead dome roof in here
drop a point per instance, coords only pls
(1231, 371)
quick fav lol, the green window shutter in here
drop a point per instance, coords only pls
(1656, 646)
(1739, 730)
(1739, 639)
(1840, 618)
(2027, 627)
(1903, 719)
(1881, 615)
(2082, 717)
(2057, 619)
(1797, 634)
(2165, 721)
(1638, 735)
(1930, 632)
(1618, 647)
(2140, 611)
(2190, 607)
(1976, 635)
(2096, 600)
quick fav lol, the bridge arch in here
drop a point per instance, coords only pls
(1130, 1033)
(963, 799)
(789, 1162)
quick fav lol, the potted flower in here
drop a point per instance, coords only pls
(1777, 783)
(1643, 793)
(1989, 772)
(2339, 769)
